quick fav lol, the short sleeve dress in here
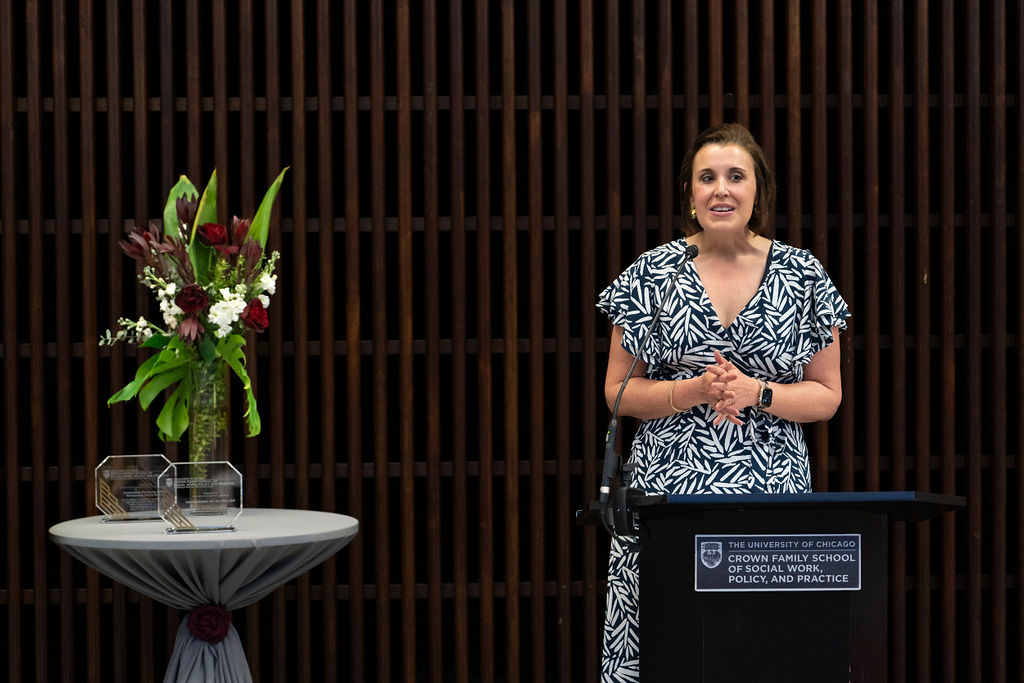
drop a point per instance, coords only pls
(788, 320)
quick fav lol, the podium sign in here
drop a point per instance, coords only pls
(126, 487)
(778, 562)
(204, 496)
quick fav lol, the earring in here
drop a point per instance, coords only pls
(693, 211)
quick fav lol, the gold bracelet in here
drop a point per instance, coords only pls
(671, 403)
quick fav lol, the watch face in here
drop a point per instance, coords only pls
(766, 397)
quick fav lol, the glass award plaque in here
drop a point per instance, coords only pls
(126, 487)
(200, 496)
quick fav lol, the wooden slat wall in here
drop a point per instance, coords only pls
(465, 176)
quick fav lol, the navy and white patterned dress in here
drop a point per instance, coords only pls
(787, 321)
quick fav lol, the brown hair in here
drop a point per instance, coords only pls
(738, 135)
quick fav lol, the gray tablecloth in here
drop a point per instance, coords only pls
(230, 569)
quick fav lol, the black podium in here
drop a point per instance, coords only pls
(793, 587)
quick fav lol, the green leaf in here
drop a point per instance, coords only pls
(129, 390)
(184, 186)
(259, 229)
(159, 382)
(231, 350)
(173, 418)
(202, 256)
(157, 341)
(207, 349)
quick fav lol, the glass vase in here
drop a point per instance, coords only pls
(208, 412)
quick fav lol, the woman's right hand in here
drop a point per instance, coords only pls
(720, 394)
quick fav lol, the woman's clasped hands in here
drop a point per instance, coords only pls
(728, 390)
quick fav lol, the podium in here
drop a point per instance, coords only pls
(782, 587)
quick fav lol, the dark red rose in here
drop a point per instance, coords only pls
(191, 299)
(228, 250)
(210, 623)
(212, 234)
(255, 316)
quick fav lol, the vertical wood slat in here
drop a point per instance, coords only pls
(590, 384)
(666, 150)
(510, 332)
(897, 318)
(61, 257)
(818, 435)
(459, 332)
(560, 168)
(1018, 124)
(639, 121)
(997, 394)
(9, 278)
(767, 82)
(353, 338)
(845, 266)
(193, 102)
(872, 240)
(691, 90)
(379, 322)
(325, 221)
(36, 338)
(167, 55)
(433, 377)
(794, 141)
(405, 334)
(947, 219)
(977, 666)
(922, 279)
(301, 299)
(537, 279)
(219, 67)
(89, 303)
(613, 133)
(716, 68)
(485, 406)
(741, 17)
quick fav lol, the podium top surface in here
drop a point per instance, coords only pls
(900, 506)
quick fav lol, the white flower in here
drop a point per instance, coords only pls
(267, 283)
(224, 314)
(265, 300)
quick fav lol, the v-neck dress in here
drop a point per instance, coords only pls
(789, 318)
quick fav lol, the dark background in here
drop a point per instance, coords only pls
(464, 178)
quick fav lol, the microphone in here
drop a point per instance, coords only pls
(611, 458)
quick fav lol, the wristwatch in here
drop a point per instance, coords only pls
(764, 398)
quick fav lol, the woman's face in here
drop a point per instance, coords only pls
(723, 187)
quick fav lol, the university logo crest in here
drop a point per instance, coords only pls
(711, 553)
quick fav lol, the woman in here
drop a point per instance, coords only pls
(747, 347)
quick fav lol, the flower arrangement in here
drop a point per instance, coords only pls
(213, 282)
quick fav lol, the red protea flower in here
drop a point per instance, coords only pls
(190, 329)
(239, 230)
(186, 207)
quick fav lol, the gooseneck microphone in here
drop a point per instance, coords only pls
(611, 458)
